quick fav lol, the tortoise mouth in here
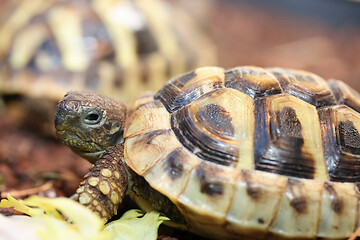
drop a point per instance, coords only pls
(92, 156)
(87, 149)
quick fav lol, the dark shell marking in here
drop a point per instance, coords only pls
(251, 189)
(349, 137)
(174, 166)
(336, 203)
(200, 143)
(297, 202)
(148, 137)
(208, 181)
(216, 119)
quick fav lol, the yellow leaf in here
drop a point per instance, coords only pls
(85, 224)
(20, 206)
(44, 204)
(131, 227)
(133, 213)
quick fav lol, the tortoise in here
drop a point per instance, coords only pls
(248, 152)
(118, 48)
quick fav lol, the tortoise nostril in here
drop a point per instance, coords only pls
(58, 121)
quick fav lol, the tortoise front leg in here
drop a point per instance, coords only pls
(104, 186)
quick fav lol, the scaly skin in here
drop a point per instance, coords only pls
(105, 185)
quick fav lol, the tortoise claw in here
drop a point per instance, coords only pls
(75, 197)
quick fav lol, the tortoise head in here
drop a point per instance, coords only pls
(89, 123)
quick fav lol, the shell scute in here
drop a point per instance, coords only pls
(340, 126)
(171, 174)
(145, 150)
(288, 138)
(218, 127)
(344, 94)
(307, 86)
(299, 209)
(184, 89)
(149, 116)
(202, 202)
(339, 214)
(254, 190)
(253, 81)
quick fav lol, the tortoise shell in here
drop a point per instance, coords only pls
(252, 151)
(118, 48)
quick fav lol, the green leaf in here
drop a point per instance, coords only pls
(131, 227)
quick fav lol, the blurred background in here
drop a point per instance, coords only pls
(321, 36)
(164, 38)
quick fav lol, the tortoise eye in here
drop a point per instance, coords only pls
(92, 118)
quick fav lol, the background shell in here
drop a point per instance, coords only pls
(118, 48)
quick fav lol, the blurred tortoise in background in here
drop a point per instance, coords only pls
(246, 153)
(118, 48)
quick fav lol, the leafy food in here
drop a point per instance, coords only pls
(47, 222)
